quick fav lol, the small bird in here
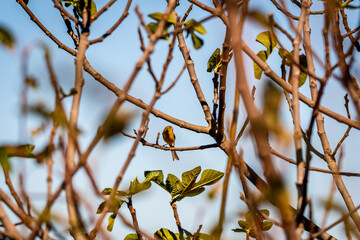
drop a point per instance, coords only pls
(169, 138)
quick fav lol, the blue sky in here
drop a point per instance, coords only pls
(114, 59)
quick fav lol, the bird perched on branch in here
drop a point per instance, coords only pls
(169, 138)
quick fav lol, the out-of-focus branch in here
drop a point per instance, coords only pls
(10, 228)
(259, 130)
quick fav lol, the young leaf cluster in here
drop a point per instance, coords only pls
(79, 7)
(192, 26)
(166, 234)
(187, 186)
(6, 38)
(269, 41)
(287, 60)
(247, 226)
(121, 197)
(214, 63)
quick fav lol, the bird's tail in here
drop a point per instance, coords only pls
(174, 155)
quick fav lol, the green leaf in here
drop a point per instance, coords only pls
(156, 176)
(132, 236)
(267, 39)
(152, 26)
(244, 224)
(188, 178)
(4, 161)
(197, 42)
(159, 16)
(111, 221)
(79, 7)
(190, 193)
(93, 9)
(258, 17)
(72, 2)
(171, 183)
(101, 207)
(303, 61)
(165, 234)
(213, 61)
(188, 234)
(114, 206)
(209, 177)
(302, 79)
(265, 212)
(107, 191)
(263, 55)
(204, 236)
(178, 189)
(195, 26)
(286, 56)
(271, 102)
(266, 225)
(58, 116)
(6, 38)
(26, 1)
(136, 186)
(303, 65)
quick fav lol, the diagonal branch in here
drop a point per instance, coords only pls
(192, 74)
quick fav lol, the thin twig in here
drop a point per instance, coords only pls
(177, 220)
(112, 29)
(135, 222)
(192, 75)
(44, 29)
(346, 134)
(289, 160)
